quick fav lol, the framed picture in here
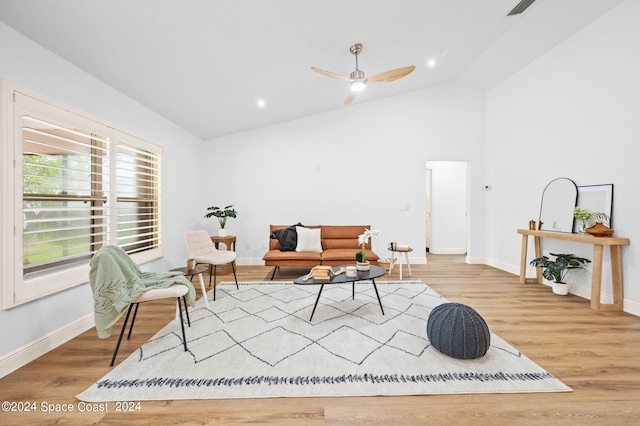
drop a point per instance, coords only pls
(597, 199)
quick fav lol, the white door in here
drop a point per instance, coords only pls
(447, 207)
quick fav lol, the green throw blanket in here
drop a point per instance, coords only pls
(116, 281)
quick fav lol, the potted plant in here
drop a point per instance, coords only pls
(556, 270)
(582, 215)
(362, 264)
(222, 214)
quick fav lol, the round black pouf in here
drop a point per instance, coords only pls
(458, 331)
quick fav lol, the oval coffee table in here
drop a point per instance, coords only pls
(373, 273)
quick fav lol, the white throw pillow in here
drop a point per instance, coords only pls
(309, 239)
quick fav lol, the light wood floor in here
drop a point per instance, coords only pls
(596, 354)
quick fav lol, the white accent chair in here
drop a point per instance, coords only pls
(118, 284)
(178, 291)
(203, 250)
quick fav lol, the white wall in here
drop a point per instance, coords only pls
(360, 164)
(573, 112)
(32, 67)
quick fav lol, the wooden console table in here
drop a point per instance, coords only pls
(614, 244)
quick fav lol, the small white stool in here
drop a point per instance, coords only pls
(406, 258)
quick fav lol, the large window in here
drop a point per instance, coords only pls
(71, 184)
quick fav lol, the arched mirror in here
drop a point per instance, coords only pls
(559, 198)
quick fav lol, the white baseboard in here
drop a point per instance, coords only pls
(33, 350)
(448, 251)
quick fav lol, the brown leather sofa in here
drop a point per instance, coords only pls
(339, 247)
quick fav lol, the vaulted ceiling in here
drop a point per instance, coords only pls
(204, 64)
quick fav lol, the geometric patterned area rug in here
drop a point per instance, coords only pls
(258, 342)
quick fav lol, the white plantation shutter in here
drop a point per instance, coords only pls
(64, 174)
(76, 184)
(138, 189)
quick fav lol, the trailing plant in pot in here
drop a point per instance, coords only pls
(222, 214)
(557, 269)
(362, 264)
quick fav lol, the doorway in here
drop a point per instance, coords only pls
(446, 207)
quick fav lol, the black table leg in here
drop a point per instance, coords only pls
(316, 304)
(376, 289)
(353, 290)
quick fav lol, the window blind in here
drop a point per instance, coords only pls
(65, 193)
(138, 189)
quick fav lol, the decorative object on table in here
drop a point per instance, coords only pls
(532, 224)
(599, 217)
(559, 198)
(597, 198)
(582, 215)
(458, 331)
(222, 214)
(599, 230)
(556, 270)
(323, 273)
(362, 264)
(351, 271)
(191, 263)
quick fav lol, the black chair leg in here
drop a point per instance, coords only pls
(133, 320)
(235, 277)
(124, 326)
(215, 279)
(184, 336)
(186, 310)
(274, 272)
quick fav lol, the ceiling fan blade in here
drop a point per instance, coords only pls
(391, 75)
(349, 97)
(330, 74)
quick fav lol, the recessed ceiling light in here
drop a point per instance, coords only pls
(432, 62)
(261, 103)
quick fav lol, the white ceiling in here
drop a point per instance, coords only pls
(203, 63)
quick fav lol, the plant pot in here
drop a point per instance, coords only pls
(561, 289)
(222, 232)
(363, 266)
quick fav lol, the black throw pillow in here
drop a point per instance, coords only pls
(288, 237)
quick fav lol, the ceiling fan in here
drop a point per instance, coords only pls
(358, 81)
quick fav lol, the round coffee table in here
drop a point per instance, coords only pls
(373, 273)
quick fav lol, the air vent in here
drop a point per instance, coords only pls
(521, 7)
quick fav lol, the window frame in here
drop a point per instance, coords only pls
(18, 289)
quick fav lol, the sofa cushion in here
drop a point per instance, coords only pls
(293, 256)
(287, 237)
(309, 240)
(347, 255)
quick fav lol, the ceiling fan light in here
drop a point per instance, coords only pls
(358, 85)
